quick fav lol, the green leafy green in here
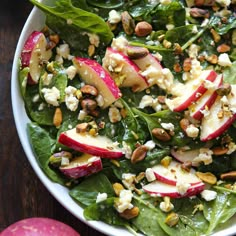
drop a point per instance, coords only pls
(229, 74)
(108, 4)
(23, 78)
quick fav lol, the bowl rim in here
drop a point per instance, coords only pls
(21, 120)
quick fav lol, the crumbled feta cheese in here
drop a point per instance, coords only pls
(101, 197)
(127, 150)
(114, 17)
(100, 100)
(82, 115)
(71, 72)
(59, 59)
(150, 144)
(170, 26)
(70, 99)
(36, 98)
(224, 60)
(158, 56)
(94, 39)
(196, 68)
(120, 43)
(63, 50)
(65, 161)
(114, 114)
(224, 3)
(205, 22)
(204, 156)
(208, 195)
(168, 126)
(209, 85)
(47, 79)
(150, 176)
(192, 131)
(41, 106)
(149, 101)
(128, 180)
(166, 206)
(195, 30)
(231, 148)
(124, 201)
(51, 95)
(182, 187)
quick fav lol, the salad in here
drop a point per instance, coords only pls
(132, 107)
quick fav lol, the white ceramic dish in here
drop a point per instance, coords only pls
(35, 21)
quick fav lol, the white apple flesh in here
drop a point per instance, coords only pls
(123, 70)
(93, 73)
(185, 155)
(160, 189)
(174, 173)
(190, 92)
(206, 100)
(82, 166)
(34, 54)
(220, 118)
(95, 145)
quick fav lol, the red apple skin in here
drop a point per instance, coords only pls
(195, 94)
(212, 126)
(209, 102)
(156, 188)
(89, 148)
(93, 73)
(133, 77)
(28, 57)
(81, 166)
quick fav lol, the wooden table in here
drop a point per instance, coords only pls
(22, 195)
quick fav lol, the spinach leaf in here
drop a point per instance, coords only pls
(104, 211)
(43, 145)
(81, 23)
(219, 210)
(229, 74)
(107, 4)
(23, 77)
(86, 192)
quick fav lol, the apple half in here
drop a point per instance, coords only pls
(174, 173)
(160, 189)
(93, 73)
(206, 100)
(34, 54)
(94, 145)
(82, 166)
(218, 121)
(123, 70)
(191, 91)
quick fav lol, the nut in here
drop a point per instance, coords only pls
(207, 177)
(224, 89)
(88, 104)
(215, 35)
(161, 134)
(198, 12)
(136, 52)
(177, 68)
(89, 89)
(223, 48)
(166, 161)
(143, 29)
(219, 150)
(186, 166)
(177, 48)
(57, 118)
(117, 188)
(130, 213)
(127, 23)
(200, 3)
(82, 127)
(172, 219)
(213, 59)
(161, 99)
(139, 154)
(167, 44)
(229, 175)
(187, 65)
(184, 123)
(54, 38)
(91, 50)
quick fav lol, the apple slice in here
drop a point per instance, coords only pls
(191, 91)
(82, 166)
(95, 145)
(160, 189)
(123, 70)
(185, 156)
(174, 173)
(33, 54)
(206, 100)
(219, 120)
(93, 73)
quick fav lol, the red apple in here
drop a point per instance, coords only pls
(206, 100)
(93, 73)
(95, 145)
(174, 173)
(123, 70)
(34, 54)
(185, 155)
(191, 91)
(218, 121)
(160, 189)
(82, 166)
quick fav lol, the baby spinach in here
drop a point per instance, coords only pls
(86, 192)
(107, 4)
(229, 74)
(43, 146)
(73, 24)
(23, 78)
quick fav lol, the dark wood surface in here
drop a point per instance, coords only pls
(22, 195)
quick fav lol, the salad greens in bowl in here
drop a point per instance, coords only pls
(126, 111)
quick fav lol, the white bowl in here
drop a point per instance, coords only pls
(36, 21)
